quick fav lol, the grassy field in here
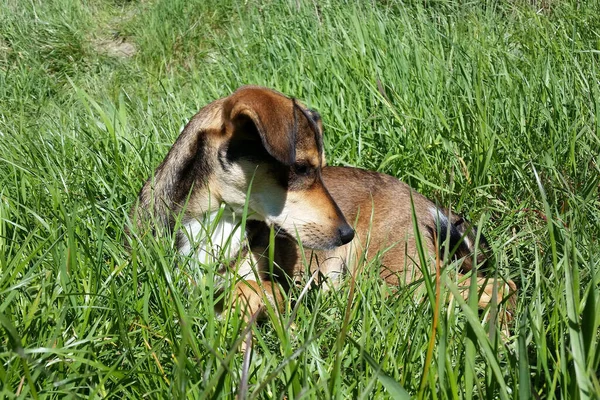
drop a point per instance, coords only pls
(492, 108)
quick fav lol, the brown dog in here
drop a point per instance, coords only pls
(262, 150)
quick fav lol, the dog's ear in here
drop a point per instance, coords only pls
(272, 115)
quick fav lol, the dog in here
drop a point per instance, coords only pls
(260, 153)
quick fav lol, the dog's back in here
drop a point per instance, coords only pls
(381, 209)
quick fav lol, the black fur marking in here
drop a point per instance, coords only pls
(459, 230)
(458, 247)
(190, 173)
(294, 129)
(314, 114)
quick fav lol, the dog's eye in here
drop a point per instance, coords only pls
(301, 169)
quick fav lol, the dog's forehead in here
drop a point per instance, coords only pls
(309, 139)
(309, 142)
(308, 154)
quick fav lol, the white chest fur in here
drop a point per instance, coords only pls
(213, 237)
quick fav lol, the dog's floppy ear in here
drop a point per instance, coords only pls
(272, 115)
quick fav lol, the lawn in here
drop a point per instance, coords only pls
(491, 108)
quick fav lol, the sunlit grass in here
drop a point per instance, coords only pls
(490, 108)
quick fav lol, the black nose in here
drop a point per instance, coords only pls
(346, 233)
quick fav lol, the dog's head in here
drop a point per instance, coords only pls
(256, 142)
(271, 147)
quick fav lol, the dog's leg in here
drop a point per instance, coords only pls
(252, 297)
(262, 279)
(254, 287)
(261, 284)
(504, 290)
(498, 290)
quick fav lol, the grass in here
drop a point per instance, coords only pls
(492, 108)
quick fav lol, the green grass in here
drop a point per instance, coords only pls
(492, 108)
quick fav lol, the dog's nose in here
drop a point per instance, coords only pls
(346, 233)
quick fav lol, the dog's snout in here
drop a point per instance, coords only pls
(346, 233)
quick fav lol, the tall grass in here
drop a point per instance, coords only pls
(492, 108)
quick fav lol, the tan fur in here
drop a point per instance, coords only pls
(260, 138)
